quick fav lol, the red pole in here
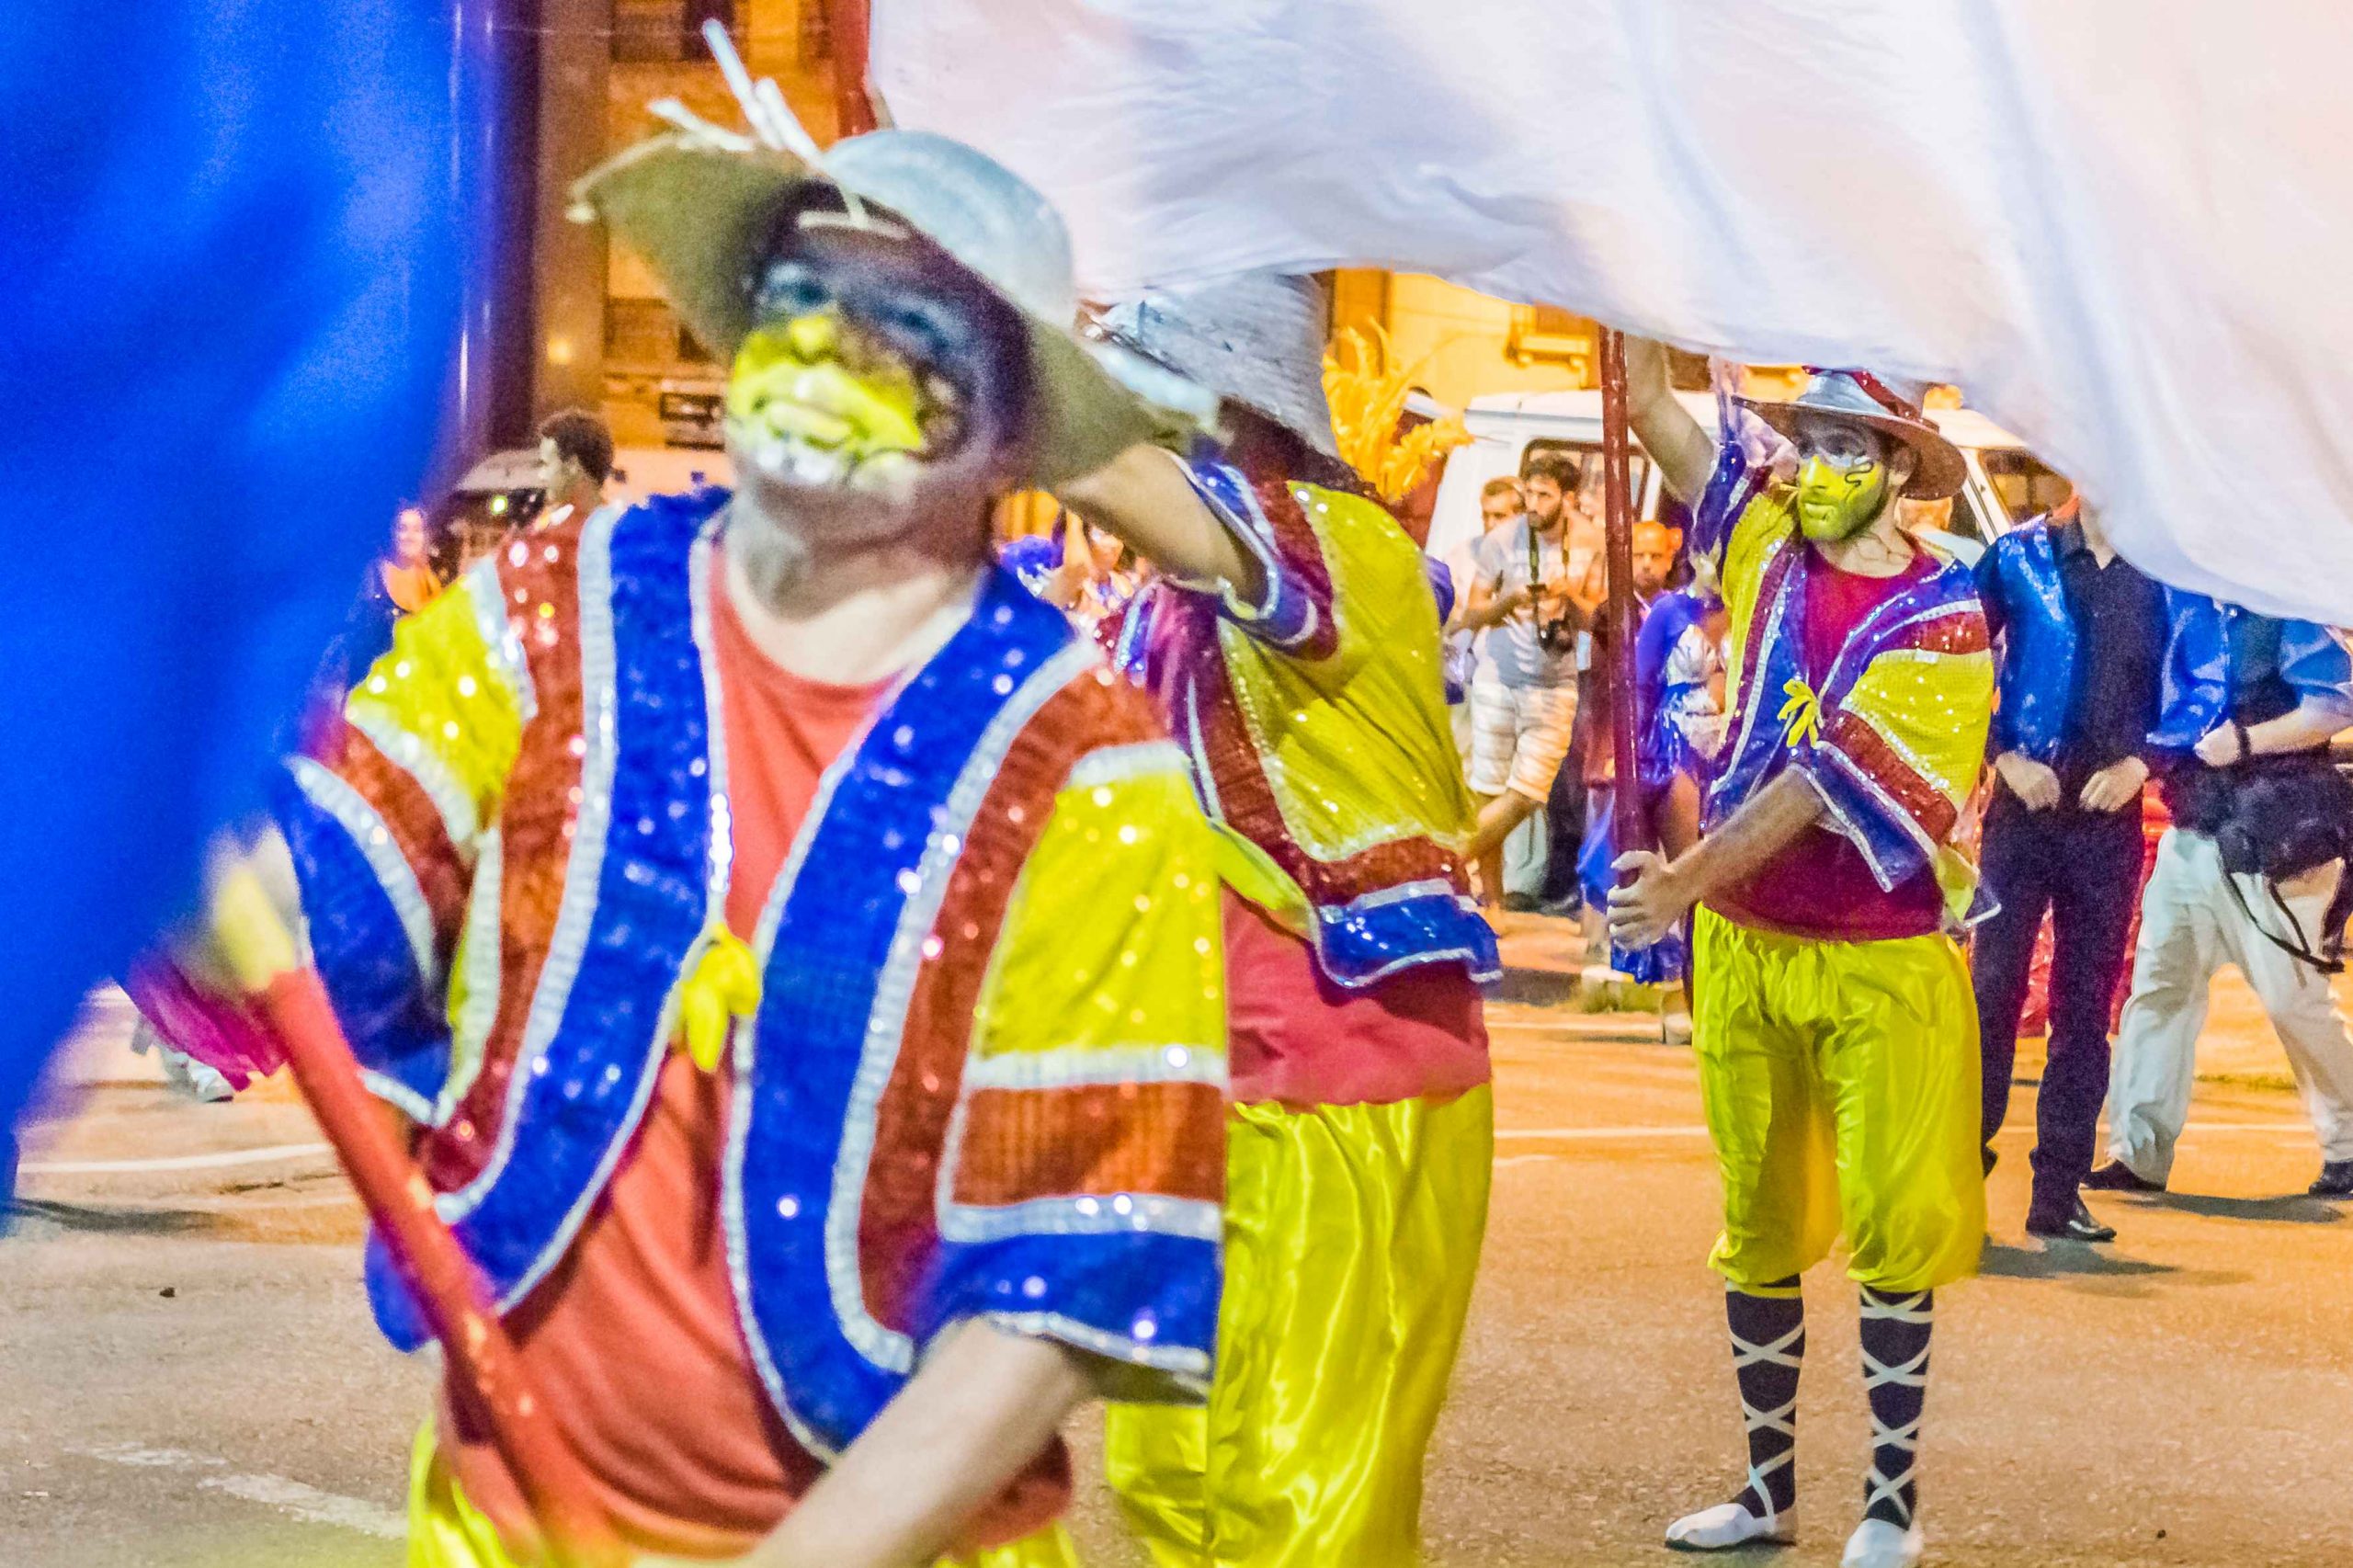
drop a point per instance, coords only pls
(851, 23)
(459, 1311)
(1631, 828)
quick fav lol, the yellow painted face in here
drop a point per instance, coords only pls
(841, 399)
(1843, 482)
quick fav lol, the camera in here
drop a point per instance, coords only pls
(1557, 635)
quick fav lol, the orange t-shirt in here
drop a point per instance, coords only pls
(411, 588)
(635, 1335)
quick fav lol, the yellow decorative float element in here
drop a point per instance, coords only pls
(1367, 399)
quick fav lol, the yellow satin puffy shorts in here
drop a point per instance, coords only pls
(1841, 1083)
(1352, 1241)
(445, 1531)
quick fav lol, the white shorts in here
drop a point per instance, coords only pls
(1518, 735)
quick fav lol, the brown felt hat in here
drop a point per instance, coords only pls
(1938, 468)
(702, 216)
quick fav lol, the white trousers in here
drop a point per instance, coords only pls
(2190, 926)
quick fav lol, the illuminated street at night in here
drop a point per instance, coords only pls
(2176, 1399)
(1111, 784)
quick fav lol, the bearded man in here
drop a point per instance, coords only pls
(796, 953)
(1834, 1024)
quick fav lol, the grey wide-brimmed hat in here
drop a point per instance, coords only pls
(1864, 399)
(1255, 338)
(703, 213)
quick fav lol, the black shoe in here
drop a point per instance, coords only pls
(2071, 1223)
(2118, 1176)
(2336, 1180)
(1570, 908)
(1519, 903)
(1992, 1159)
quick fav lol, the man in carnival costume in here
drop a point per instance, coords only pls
(796, 951)
(1293, 645)
(1835, 1029)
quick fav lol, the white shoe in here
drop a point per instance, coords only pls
(1728, 1525)
(1878, 1544)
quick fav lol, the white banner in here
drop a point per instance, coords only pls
(2124, 227)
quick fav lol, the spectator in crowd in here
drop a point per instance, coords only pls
(1655, 545)
(1679, 674)
(1083, 571)
(1523, 688)
(576, 460)
(406, 579)
(2249, 705)
(2081, 632)
(1501, 503)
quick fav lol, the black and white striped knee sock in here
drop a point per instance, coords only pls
(1767, 1351)
(1895, 1379)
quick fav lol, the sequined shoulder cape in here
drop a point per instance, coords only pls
(1315, 723)
(1894, 735)
(983, 1075)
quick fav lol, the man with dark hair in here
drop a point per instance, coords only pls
(575, 459)
(1524, 688)
(2081, 632)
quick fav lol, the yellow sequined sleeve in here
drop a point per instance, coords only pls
(1088, 1169)
(388, 818)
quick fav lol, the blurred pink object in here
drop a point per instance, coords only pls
(224, 1035)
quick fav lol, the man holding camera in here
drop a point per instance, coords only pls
(2251, 874)
(1524, 690)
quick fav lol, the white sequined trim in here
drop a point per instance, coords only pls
(1082, 1067)
(1204, 776)
(399, 1096)
(1117, 1215)
(739, 1120)
(584, 867)
(1114, 765)
(1188, 1367)
(404, 750)
(394, 875)
(1428, 886)
(700, 584)
(886, 1022)
(499, 637)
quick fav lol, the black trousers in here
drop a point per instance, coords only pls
(1565, 821)
(2085, 868)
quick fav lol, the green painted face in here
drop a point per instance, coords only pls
(1843, 482)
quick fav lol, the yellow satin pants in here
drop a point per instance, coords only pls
(1841, 1083)
(445, 1531)
(1352, 1240)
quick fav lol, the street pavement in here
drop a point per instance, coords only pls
(187, 1375)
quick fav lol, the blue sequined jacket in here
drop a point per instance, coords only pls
(2026, 606)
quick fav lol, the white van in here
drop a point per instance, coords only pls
(2006, 484)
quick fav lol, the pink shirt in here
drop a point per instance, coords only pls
(1300, 1040)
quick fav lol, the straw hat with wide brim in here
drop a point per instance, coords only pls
(702, 215)
(1938, 469)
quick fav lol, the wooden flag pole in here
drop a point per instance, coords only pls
(451, 1292)
(1630, 827)
(852, 25)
